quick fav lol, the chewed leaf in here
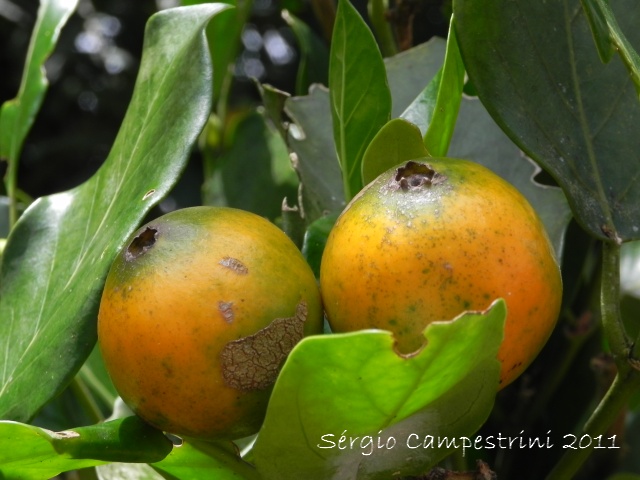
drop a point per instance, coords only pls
(57, 257)
(356, 385)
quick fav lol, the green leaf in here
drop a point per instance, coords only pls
(28, 452)
(254, 172)
(315, 239)
(58, 255)
(395, 143)
(609, 37)
(197, 459)
(537, 72)
(310, 137)
(17, 115)
(314, 55)
(450, 84)
(360, 96)
(356, 385)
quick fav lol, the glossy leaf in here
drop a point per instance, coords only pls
(359, 92)
(28, 452)
(538, 73)
(396, 142)
(605, 26)
(17, 115)
(450, 83)
(58, 254)
(356, 385)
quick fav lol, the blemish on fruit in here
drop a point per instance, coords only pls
(235, 265)
(226, 310)
(253, 362)
(415, 176)
(141, 244)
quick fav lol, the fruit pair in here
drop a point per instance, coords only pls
(203, 305)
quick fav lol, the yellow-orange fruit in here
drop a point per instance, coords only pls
(198, 314)
(431, 239)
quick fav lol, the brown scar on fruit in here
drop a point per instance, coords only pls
(415, 176)
(141, 244)
(253, 362)
(234, 264)
(226, 310)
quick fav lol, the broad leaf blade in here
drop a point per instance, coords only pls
(357, 385)
(58, 254)
(360, 97)
(28, 452)
(396, 142)
(538, 73)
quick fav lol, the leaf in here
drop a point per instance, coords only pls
(310, 137)
(356, 385)
(314, 55)
(445, 113)
(396, 142)
(605, 28)
(197, 459)
(17, 115)
(360, 96)
(254, 173)
(28, 452)
(537, 72)
(315, 239)
(58, 255)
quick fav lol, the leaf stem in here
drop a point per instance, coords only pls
(86, 400)
(382, 28)
(627, 380)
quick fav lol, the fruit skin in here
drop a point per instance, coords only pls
(432, 238)
(187, 304)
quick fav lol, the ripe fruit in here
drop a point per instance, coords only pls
(431, 239)
(199, 312)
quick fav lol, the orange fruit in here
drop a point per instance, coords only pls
(433, 238)
(198, 314)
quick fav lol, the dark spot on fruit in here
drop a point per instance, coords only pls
(253, 362)
(416, 176)
(225, 309)
(235, 265)
(141, 244)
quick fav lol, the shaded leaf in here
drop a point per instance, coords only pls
(396, 142)
(359, 93)
(537, 72)
(314, 55)
(315, 239)
(17, 115)
(605, 28)
(28, 452)
(59, 253)
(311, 139)
(333, 385)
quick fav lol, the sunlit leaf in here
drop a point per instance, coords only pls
(359, 92)
(356, 385)
(28, 452)
(59, 253)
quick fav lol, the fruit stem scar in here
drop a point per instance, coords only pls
(141, 244)
(415, 176)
